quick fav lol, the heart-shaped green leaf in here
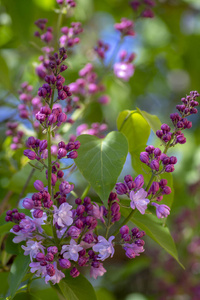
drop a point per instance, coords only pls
(101, 161)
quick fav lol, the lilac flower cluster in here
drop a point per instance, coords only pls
(143, 7)
(70, 3)
(17, 135)
(88, 85)
(76, 243)
(45, 33)
(125, 27)
(101, 49)
(179, 121)
(69, 37)
(96, 129)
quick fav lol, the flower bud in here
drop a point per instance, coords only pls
(38, 185)
(38, 213)
(28, 203)
(64, 263)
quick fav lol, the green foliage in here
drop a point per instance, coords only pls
(101, 161)
(155, 229)
(17, 272)
(69, 289)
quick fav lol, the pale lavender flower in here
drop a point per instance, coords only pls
(56, 278)
(71, 251)
(33, 248)
(133, 250)
(162, 210)
(27, 225)
(98, 212)
(139, 201)
(123, 70)
(63, 215)
(36, 267)
(95, 272)
(104, 247)
(20, 236)
(39, 221)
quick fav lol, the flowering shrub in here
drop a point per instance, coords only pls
(61, 229)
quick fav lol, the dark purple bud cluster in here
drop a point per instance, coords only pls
(48, 117)
(133, 237)
(68, 150)
(179, 121)
(113, 207)
(14, 216)
(129, 184)
(144, 7)
(156, 160)
(101, 49)
(45, 33)
(16, 135)
(125, 27)
(158, 189)
(39, 148)
(69, 37)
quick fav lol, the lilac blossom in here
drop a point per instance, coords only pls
(63, 215)
(56, 278)
(139, 200)
(104, 247)
(95, 272)
(98, 212)
(36, 267)
(71, 251)
(123, 70)
(162, 210)
(33, 248)
(133, 250)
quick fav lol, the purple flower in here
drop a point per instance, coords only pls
(71, 251)
(36, 267)
(98, 212)
(104, 247)
(162, 210)
(97, 271)
(139, 182)
(133, 250)
(123, 70)
(139, 201)
(38, 185)
(33, 248)
(56, 278)
(63, 215)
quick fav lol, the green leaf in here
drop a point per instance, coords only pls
(101, 161)
(134, 126)
(11, 247)
(152, 120)
(78, 288)
(154, 229)
(19, 179)
(17, 272)
(4, 283)
(5, 228)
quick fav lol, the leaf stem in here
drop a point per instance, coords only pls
(85, 192)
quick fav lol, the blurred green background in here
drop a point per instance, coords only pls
(167, 68)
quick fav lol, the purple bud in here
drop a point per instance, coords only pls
(181, 139)
(78, 201)
(169, 168)
(16, 228)
(154, 187)
(74, 232)
(173, 160)
(163, 183)
(73, 154)
(157, 152)
(134, 231)
(140, 243)
(128, 178)
(62, 117)
(74, 272)
(65, 187)
(38, 185)
(28, 203)
(159, 133)
(144, 157)
(115, 208)
(116, 217)
(31, 141)
(30, 154)
(149, 149)
(62, 153)
(43, 145)
(167, 190)
(52, 118)
(50, 270)
(139, 182)
(121, 188)
(154, 165)
(140, 234)
(52, 249)
(38, 213)
(64, 263)
(40, 256)
(49, 257)
(124, 230)
(79, 224)
(80, 209)
(60, 174)
(165, 128)
(89, 238)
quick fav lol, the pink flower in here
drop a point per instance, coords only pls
(133, 250)
(139, 201)
(98, 212)
(56, 278)
(63, 215)
(95, 272)
(104, 247)
(162, 210)
(71, 251)
(123, 70)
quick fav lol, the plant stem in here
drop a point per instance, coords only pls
(85, 192)
(124, 222)
(49, 158)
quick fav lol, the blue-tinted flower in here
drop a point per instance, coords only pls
(33, 248)
(56, 278)
(97, 271)
(139, 201)
(63, 215)
(123, 70)
(104, 247)
(71, 251)
(162, 210)
(133, 250)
